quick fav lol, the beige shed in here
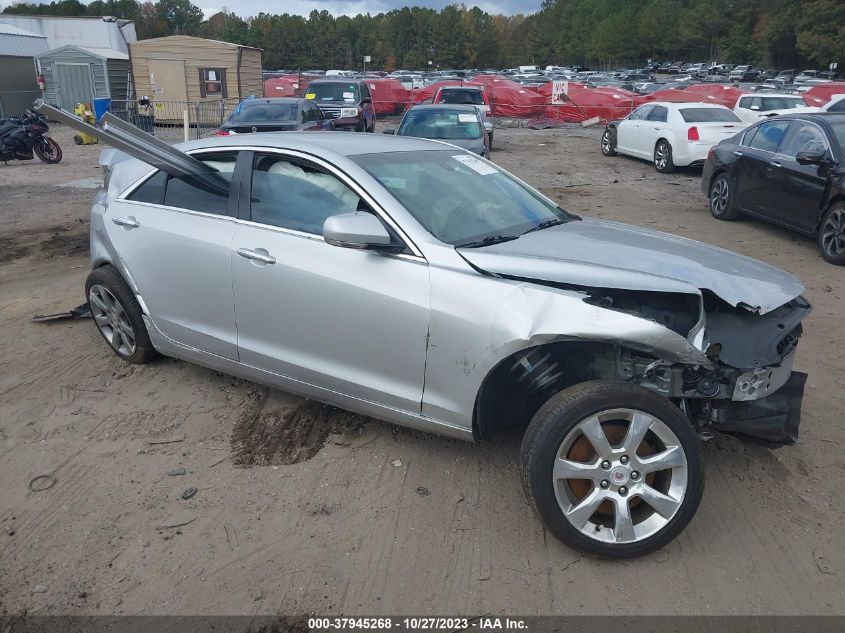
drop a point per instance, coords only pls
(182, 69)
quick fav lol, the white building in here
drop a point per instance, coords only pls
(92, 32)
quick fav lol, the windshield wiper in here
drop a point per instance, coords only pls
(488, 241)
(546, 224)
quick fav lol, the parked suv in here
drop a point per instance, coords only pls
(347, 102)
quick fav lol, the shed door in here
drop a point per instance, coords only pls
(74, 85)
(167, 80)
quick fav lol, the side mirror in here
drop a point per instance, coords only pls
(367, 100)
(811, 157)
(389, 131)
(754, 107)
(358, 230)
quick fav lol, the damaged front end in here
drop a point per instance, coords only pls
(748, 387)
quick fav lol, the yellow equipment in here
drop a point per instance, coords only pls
(84, 112)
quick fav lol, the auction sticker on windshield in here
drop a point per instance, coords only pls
(310, 95)
(466, 118)
(475, 164)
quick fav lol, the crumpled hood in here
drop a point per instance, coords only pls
(603, 254)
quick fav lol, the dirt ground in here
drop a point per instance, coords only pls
(305, 509)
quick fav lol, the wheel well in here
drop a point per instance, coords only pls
(520, 384)
(834, 200)
(715, 175)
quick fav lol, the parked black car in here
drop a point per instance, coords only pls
(789, 170)
(275, 114)
(347, 102)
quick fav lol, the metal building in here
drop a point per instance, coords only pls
(96, 32)
(79, 74)
(18, 72)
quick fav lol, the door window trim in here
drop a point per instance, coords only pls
(814, 124)
(756, 128)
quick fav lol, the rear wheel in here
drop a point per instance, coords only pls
(612, 469)
(721, 199)
(832, 234)
(48, 151)
(663, 157)
(608, 143)
(117, 315)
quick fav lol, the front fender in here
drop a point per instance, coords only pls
(477, 321)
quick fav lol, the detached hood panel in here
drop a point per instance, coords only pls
(603, 254)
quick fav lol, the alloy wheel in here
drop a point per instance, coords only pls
(620, 476)
(606, 146)
(833, 233)
(112, 320)
(660, 156)
(719, 197)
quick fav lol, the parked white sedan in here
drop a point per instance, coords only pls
(753, 107)
(670, 134)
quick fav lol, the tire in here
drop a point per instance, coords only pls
(51, 154)
(558, 429)
(117, 315)
(663, 157)
(722, 198)
(832, 234)
(608, 143)
(490, 138)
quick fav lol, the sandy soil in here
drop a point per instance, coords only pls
(304, 509)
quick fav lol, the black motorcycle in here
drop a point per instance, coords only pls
(20, 137)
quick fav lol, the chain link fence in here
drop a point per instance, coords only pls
(16, 103)
(175, 121)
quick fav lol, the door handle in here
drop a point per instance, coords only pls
(129, 223)
(260, 257)
(737, 153)
(775, 163)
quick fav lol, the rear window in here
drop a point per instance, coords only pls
(708, 115)
(445, 124)
(782, 103)
(461, 97)
(258, 112)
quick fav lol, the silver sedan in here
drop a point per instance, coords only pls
(412, 281)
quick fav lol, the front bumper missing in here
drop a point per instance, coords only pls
(774, 418)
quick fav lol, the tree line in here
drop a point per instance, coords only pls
(771, 33)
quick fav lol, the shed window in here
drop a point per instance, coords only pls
(213, 82)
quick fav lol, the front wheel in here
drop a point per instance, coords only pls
(48, 150)
(612, 469)
(608, 143)
(832, 234)
(663, 157)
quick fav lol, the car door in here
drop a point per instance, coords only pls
(652, 129)
(799, 189)
(628, 129)
(175, 241)
(752, 168)
(349, 320)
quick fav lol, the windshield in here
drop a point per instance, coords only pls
(441, 124)
(340, 92)
(708, 115)
(460, 198)
(254, 112)
(464, 97)
(783, 103)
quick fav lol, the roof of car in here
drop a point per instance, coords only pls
(336, 79)
(462, 87)
(459, 107)
(685, 104)
(342, 143)
(769, 94)
(273, 100)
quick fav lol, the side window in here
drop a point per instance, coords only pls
(804, 137)
(769, 136)
(152, 190)
(641, 113)
(305, 114)
(659, 113)
(745, 102)
(756, 103)
(295, 195)
(839, 106)
(186, 195)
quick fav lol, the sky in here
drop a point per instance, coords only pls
(246, 8)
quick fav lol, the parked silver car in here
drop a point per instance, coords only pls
(417, 283)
